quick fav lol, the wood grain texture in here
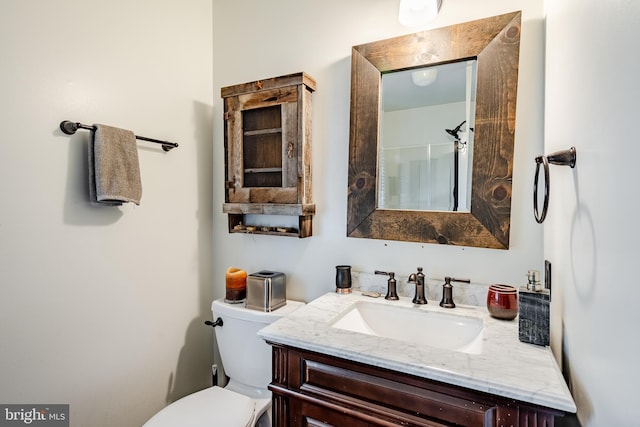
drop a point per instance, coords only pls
(268, 150)
(495, 43)
(269, 209)
(304, 150)
(270, 83)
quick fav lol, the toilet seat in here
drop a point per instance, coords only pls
(211, 407)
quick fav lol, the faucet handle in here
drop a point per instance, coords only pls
(447, 291)
(391, 285)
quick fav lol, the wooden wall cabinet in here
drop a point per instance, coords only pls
(311, 389)
(267, 138)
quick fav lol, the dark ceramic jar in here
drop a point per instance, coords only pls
(502, 301)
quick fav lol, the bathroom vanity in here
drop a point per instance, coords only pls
(326, 373)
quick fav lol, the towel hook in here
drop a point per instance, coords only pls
(561, 158)
(70, 128)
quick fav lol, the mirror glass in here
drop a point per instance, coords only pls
(426, 138)
(400, 186)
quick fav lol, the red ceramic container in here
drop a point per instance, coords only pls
(502, 302)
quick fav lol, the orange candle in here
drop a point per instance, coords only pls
(236, 285)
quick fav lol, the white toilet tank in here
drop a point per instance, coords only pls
(245, 356)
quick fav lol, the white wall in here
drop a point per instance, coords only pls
(102, 308)
(592, 233)
(286, 36)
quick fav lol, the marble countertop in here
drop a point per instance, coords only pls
(506, 367)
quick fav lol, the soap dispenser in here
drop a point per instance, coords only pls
(534, 317)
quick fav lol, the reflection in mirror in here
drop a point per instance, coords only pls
(426, 138)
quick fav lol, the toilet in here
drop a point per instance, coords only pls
(245, 400)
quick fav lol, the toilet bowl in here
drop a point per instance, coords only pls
(245, 400)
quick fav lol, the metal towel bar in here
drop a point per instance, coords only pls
(70, 128)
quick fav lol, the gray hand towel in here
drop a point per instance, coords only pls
(114, 171)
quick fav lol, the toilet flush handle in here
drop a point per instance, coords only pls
(218, 322)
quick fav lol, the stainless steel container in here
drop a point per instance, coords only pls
(266, 290)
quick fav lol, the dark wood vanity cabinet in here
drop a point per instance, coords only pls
(311, 389)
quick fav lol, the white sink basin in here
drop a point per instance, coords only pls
(414, 325)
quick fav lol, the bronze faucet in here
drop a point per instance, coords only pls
(418, 279)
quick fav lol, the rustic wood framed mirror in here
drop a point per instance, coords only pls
(495, 43)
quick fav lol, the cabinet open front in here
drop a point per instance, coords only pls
(268, 153)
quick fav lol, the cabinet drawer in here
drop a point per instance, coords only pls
(386, 394)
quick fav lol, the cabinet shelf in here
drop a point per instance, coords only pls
(236, 214)
(262, 131)
(258, 230)
(262, 170)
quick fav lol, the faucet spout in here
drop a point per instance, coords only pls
(418, 279)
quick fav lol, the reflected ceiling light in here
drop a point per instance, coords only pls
(424, 77)
(414, 13)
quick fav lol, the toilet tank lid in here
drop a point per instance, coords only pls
(239, 311)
